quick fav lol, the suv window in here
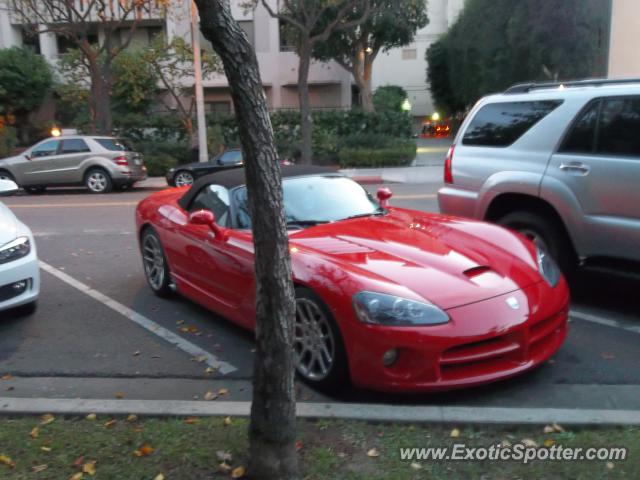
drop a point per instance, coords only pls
(230, 157)
(582, 137)
(45, 149)
(74, 145)
(618, 127)
(115, 144)
(501, 124)
(214, 198)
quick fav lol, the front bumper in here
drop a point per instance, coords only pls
(484, 342)
(16, 271)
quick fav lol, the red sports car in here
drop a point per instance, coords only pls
(388, 298)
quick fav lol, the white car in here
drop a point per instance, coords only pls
(19, 271)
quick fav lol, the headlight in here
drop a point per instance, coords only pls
(382, 309)
(547, 266)
(18, 248)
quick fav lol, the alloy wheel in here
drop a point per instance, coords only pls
(153, 261)
(97, 181)
(183, 179)
(314, 345)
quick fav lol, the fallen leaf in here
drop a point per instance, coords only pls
(136, 353)
(416, 465)
(223, 467)
(224, 456)
(45, 449)
(159, 477)
(549, 442)
(91, 417)
(143, 451)
(455, 433)
(34, 432)
(298, 445)
(39, 468)
(200, 358)
(6, 376)
(89, 468)
(47, 418)
(179, 322)
(610, 465)
(227, 421)
(223, 391)
(4, 460)
(79, 461)
(191, 420)
(528, 442)
(119, 395)
(373, 453)
(209, 370)
(109, 423)
(77, 476)
(557, 428)
(132, 418)
(237, 472)
(210, 395)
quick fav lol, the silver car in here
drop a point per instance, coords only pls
(100, 163)
(558, 162)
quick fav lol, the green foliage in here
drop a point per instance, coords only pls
(8, 141)
(161, 156)
(496, 43)
(399, 154)
(134, 83)
(25, 80)
(389, 98)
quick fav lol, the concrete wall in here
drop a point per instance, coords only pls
(624, 60)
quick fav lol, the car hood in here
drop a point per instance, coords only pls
(8, 225)
(446, 260)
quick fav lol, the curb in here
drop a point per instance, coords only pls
(346, 411)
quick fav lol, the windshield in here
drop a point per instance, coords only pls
(313, 200)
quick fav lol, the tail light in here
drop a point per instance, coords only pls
(448, 175)
(121, 160)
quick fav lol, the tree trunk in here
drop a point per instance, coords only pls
(361, 70)
(272, 430)
(100, 100)
(306, 122)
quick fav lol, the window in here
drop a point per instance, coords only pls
(45, 149)
(217, 108)
(74, 145)
(409, 54)
(31, 41)
(287, 36)
(618, 127)
(115, 144)
(582, 137)
(230, 157)
(214, 198)
(501, 124)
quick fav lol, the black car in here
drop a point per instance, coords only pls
(184, 175)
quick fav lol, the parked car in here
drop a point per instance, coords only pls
(185, 175)
(19, 270)
(99, 163)
(391, 299)
(558, 162)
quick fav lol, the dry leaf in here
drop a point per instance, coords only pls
(209, 370)
(47, 418)
(39, 468)
(119, 395)
(549, 442)
(455, 433)
(610, 465)
(91, 417)
(191, 420)
(223, 467)
(110, 423)
(298, 445)
(4, 460)
(557, 428)
(159, 477)
(143, 451)
(34, 432)
(89, 468)
(227, 421)
(237, 472)
(45, 449)
(132, 418)
(210, 395)
(136, 353)
(373, 453)
(223, 391)
(528, 442)
(6, 376)
(416, 465)
(77, 476)
(200, 358)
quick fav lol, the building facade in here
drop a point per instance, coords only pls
(624, 61)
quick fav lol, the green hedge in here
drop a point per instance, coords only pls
(397, 155)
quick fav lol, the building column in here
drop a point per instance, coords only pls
(48, 46)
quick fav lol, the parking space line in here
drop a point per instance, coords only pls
(621, 324)
(64, 205)
(183, 344)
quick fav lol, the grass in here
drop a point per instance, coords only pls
(328, 450)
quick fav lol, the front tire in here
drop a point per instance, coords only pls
(4, 175)
(320, 358)
(156, 268)
(98, 180)
(183, 178)
(35, 190)
(547, 232)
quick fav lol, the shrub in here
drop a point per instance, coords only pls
(161, 156)
(8, 141)
(389, 98)
(400, 154)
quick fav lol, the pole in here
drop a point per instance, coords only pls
(203, 155)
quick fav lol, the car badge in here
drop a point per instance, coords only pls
(513, 303)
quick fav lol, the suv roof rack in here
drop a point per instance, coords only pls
(593, 82)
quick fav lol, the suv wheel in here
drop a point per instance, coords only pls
(548, 233)
(98, 181)
(182, 178)
(4, 175)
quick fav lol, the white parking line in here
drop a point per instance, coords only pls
(141, 320)
(621, 324)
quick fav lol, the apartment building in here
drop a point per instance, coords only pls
(624, 61)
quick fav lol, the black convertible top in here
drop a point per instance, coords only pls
(234, 177)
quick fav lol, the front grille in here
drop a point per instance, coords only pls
(7, 292)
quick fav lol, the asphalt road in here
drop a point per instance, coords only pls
(100, 333)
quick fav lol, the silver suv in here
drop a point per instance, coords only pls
(558, 162)
(99, 163)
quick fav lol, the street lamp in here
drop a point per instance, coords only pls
(55, 131)
(435, 117)
(203, 154)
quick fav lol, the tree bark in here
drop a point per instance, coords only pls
(100, 101)
(306, 125)
(272, 429)
(362, 65)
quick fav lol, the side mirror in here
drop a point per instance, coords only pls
(27, 156)
(7, 187)
(384, 194)
(205, 217)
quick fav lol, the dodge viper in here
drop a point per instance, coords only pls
(387, 298)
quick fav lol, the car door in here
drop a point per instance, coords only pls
(599, 162)
(73, 152)
(40, 167)
(222, 267)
